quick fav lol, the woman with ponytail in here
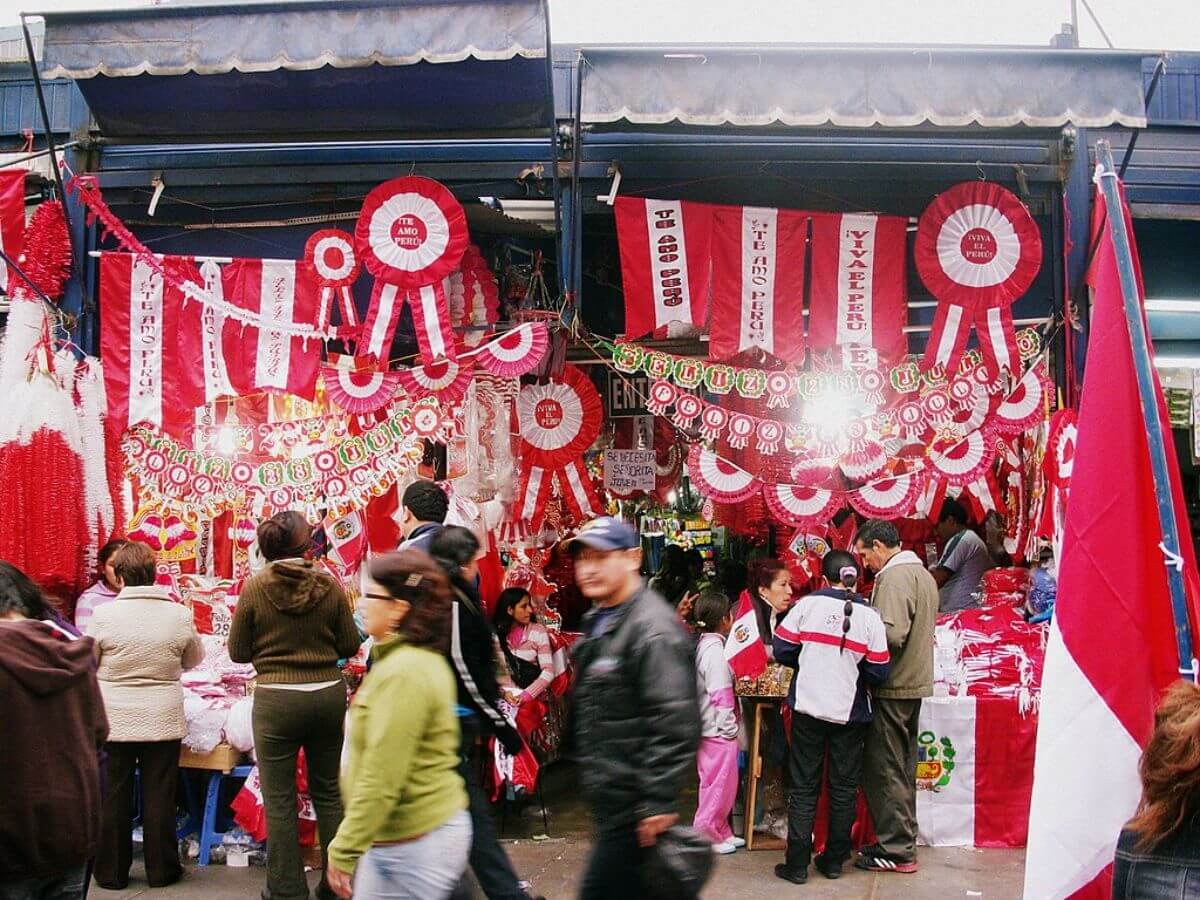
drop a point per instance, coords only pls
(844, 652)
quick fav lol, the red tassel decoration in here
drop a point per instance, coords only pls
(47, 256)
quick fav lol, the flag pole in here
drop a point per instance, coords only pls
(1109, 181)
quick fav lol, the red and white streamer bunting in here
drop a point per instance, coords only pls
(978, 250)
(330, 254)
(758, 282)
(963, 462)
(411, 232)
(718, 479)
(666, 259)
(859, 291)
(888, 498)
(516, 352)
(536, 487)
(446, 379)
(576, 488)
(1026, 404)
(359, 385)
(800, 505)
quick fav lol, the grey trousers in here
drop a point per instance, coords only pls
(890, 775)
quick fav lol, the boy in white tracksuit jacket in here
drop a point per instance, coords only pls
(838, 646)
(717, 757)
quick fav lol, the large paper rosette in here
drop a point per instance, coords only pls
(411, 232)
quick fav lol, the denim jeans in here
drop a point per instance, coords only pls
(68, 886)
(425, 869)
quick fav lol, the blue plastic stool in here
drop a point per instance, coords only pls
(209, 837)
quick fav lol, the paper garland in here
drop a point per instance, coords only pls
(516, 352)
(358, 385)
(718, 479)
(446, 380)
(889, 496)
(342, 477)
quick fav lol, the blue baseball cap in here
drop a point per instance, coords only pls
(607, 533)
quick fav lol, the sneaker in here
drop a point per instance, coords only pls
(787, 873)
(887, 864)
(737, 842)
(871, 850)
(724, 848)
(828, 868)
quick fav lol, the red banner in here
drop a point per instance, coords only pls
(859, 291)
(758, 282)
(12, 219)
(146, 377)
(665, 262)
(272, 357)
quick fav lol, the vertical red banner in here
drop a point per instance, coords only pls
(758, 282)
(665, 262)
(12, 220)
(859, 294)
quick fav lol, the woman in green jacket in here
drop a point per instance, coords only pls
(406, 831)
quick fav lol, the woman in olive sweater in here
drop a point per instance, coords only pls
(407, 831)
(293, 623)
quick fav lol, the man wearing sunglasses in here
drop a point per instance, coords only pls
(838, 646)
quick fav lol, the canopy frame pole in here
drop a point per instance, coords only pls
(1109, 183)
(41, 99)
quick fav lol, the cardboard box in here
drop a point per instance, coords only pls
(222, 758)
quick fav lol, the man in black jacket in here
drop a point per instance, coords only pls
(637, 722)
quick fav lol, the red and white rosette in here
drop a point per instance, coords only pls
(1025, 404)
(411, 232)
(331, 256)
(558, 421)
(962, 462)
(688, 408)
(357, 384)
(888, 498)
(769, 435)
(713, 421)
(720, 480)
(978, 250)
(1060, 448)
(662, 395)
(864, 457)
(780, 386)
(741, 429)
(445, 379)
(800, 505)
(516, 352)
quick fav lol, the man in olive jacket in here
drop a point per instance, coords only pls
(906, 597)
(636, 717)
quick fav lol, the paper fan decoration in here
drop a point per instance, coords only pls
(445, 379)
(719, 480)
(800, 505)
(1026, 403)
(358, 384)
(162, 533)
(411, 232)
(888, 498)
(559, 420)
(978, 250)
(868, 462)
(963, 462)
(516, 352)
(1060, 448)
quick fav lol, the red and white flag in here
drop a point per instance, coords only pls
(271, 356)
(859, 292)
(12, 220)
(146, 379)
(744, 650)
(1111, 651)
(758, 282)
(666, 262)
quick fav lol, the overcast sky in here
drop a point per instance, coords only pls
(1140, 24)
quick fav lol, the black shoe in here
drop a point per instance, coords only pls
(787, 873)
(871, 850)
(830, 869)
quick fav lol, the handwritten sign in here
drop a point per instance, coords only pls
(626, 471)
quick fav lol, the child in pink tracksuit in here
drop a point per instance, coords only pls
(717, 760)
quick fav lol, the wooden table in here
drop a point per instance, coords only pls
(754, 767)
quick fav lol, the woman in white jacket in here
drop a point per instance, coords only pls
(717, 758)
(144, 642)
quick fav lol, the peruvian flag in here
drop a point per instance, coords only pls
(758, 282)
(12, 220)
(744, 650)
(146, 377)
(1111, 651)
(974, 771)
(859, 291)
(281, 294)
(665, 262)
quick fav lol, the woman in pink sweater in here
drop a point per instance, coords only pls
(529, 654)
